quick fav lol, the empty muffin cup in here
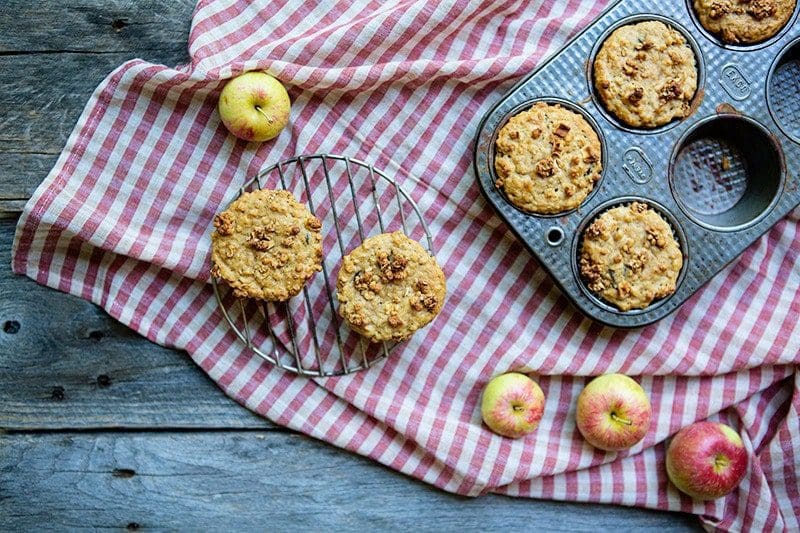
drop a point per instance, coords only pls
(783, 91)
(726, 173)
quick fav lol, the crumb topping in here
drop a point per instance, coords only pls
(629, 256)
(744, 21)
(547, 159)
(260, 249)
(389, 287)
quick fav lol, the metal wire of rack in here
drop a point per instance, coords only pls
(305, 335)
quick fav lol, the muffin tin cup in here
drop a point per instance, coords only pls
(717, 41)
(572, 107)
(634, 19)
(783, 90)
(577, 242)
(741, 144)
(727, 172)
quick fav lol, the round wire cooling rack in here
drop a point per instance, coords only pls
(353, 199)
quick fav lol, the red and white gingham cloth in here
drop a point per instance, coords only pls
(124, 218)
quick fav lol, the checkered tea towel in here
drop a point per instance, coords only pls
(124, 220)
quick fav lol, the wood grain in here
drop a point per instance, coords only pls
(95, 26)
(256, 481)
(64, 363)
(53, 57)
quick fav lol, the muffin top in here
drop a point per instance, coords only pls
(646, 74)
(547, 159)
(629, 256)
(389, 287)
(266, 245)
(744, 21)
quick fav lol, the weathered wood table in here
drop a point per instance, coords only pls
(101, 428)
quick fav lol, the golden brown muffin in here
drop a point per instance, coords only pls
(744, 21)
(630, 257)
(646, 74)
(266, 245)
(547, 159)
(389, 287)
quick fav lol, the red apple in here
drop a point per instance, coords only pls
(613, 412)
(512, 405)
(254, 106)
(706, 460)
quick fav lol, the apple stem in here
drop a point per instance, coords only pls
(258, 108)
(621, 420)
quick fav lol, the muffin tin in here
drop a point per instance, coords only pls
(721, 177)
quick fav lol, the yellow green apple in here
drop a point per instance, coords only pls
(613, 412)
(512, 405)
(254, 106)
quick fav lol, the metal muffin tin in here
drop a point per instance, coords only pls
(721, 177)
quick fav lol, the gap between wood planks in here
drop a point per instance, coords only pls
(6, 53)
(177, 430)
(12, 207)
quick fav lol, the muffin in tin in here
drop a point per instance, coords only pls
(547, 159)
(629, 257)
(744, 21)
(645, 73)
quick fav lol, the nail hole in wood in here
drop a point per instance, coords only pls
(11, 327)
(103, 381)
(123, 473)
(119, 24)
(133, 526)
(58, 393)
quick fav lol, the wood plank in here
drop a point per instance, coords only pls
(64, 363)
(256, 480)
(40, 105)
(21, 173)
(36, 117)
(100, 26)
(47, 76)
(10, 209)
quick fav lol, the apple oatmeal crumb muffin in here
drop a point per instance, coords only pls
(389, 287)
(744, 21)
(646, 74)
(629, 256)
(266, 245)
(547, 159)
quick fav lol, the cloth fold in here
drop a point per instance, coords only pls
(124, 220)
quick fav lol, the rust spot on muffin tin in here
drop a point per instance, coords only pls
(750, 193)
